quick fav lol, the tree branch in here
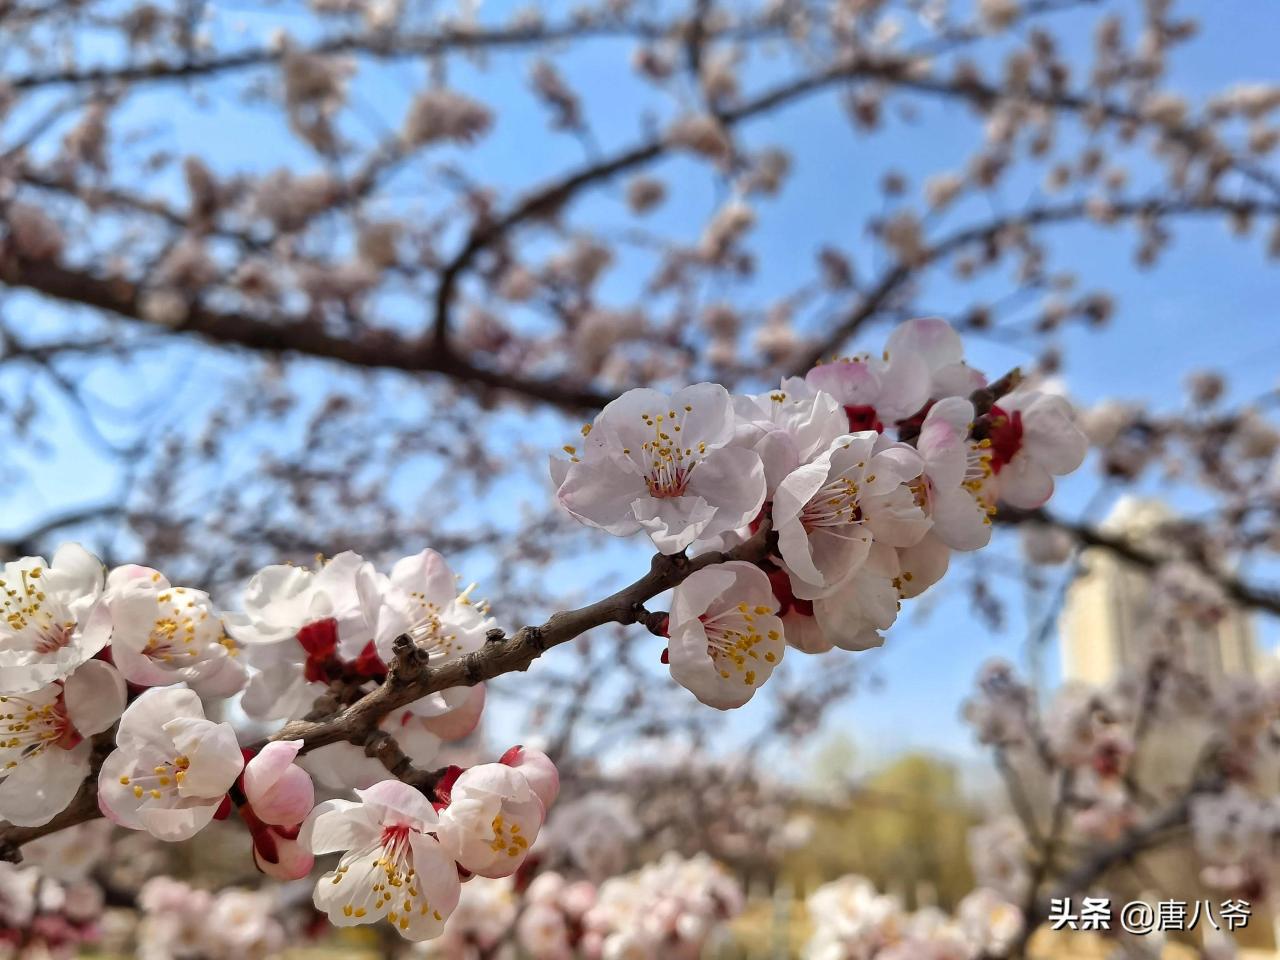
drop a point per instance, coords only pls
(371, 348)
(411, 677)
(1242, 593)
(28, 542)
(901, 273)
(383, 46)
(552, 197)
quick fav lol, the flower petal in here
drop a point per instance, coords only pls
(95, 696)
(41, 787)
(339, 825)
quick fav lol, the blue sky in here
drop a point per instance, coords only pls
(1211, 303)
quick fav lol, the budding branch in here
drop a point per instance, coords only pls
(410, 677)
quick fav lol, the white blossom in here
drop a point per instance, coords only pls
(667, 910)
(421, 599)
(445, 115)
(701, 134)
(934, 341)
(392, 867)
(954, 489)
(172, 768)
(826, 512)
(53, 619)
(296, 623)
(665, 465)
(788, 427)
(1033, 438)
(163, 634)
(725, 638)
(44, 756)
(492, 819)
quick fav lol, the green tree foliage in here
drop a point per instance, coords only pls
(904, 827)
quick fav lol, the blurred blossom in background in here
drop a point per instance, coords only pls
(326, 283)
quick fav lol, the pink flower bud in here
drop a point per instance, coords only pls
(281, 856)
(279, 790)
(538, 770)
(461, 721)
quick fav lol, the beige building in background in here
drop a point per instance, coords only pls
(1101, 635)
(1101, 624)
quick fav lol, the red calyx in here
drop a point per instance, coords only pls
(444, 787)
(788, 602)
(317, 926)
(512, 756)
(263, 840)
(224, 808)
(1106, 761)
(863, 416)
(320, 641)
(71, 737)
(1005, 434)
(266, 836)
(369, 664)
(1253, 889)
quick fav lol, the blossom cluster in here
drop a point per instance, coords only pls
(859, 520)
(88, 653)
(674, 908)
(404, 856)
(1236, 834)
(1147, 733)
(479, 925)
(644, 800)
(1089, 731)
(41, 916)
(179, 920)
(863, 476)
(667, 910)
(853, 921)
(1236, 831)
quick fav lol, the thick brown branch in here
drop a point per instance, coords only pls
(373, 348)
(28, 542)
(1240, 592)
